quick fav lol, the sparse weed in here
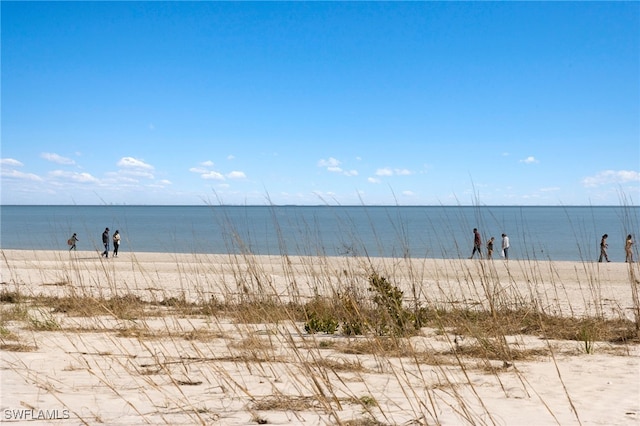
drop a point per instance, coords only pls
(10, 297)
(6, 334)
(17, 347)
(368, 401)
(18, 312)
(587, 335)
(44, 324)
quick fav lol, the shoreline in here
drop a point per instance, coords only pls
(55, 254)
(562, 287)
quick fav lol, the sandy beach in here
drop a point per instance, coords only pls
(169, 367)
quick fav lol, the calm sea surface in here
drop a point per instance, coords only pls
(557, 233)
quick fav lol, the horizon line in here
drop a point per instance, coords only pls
(315, 205)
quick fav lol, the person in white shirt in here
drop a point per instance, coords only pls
(505, 246)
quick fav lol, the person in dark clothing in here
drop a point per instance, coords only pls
(490, 247)
(105, 241)
(477, 243)
(72, 241)
(603, 248)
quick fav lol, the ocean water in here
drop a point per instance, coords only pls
(536, 233)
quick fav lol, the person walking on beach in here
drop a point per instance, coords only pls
(603, 248)
(490, 247)
(477, 243)
(505, 246)
(105, 242)
(116, 243)
(627, 249)
(72, 241)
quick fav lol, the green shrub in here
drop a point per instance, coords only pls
(326, 324)
(392, 317)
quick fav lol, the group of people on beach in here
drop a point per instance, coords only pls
(477, 245)
(105, 241)
(627, 249)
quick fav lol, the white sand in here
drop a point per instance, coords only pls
(171, 370)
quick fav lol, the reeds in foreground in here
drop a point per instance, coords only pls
(242, 339)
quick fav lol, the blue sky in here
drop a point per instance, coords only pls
(417, 103)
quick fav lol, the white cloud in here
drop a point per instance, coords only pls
(73, 176)
(58, 159)
(133, 167)
(387, 171)
(10, 162)
(331, 162)
(231, 157)
(333, 166)
(205, 172)
(84, 178)
(408, 193)
(15, 174)
(550, 189)
(198, 170)
(611, 177)
(529, 160)
(373, 180)
(236, 175)
(211, 175)
(134, 163)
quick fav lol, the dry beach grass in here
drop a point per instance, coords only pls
(151, 338)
